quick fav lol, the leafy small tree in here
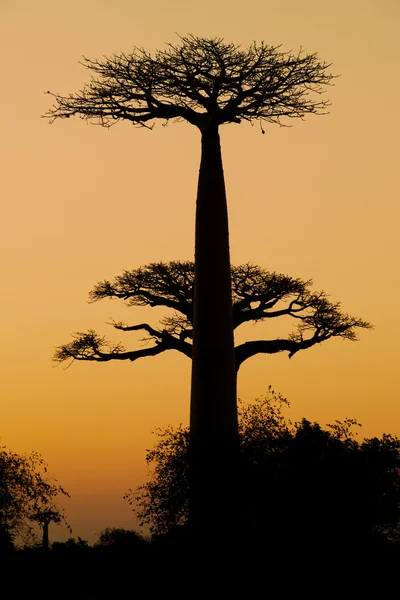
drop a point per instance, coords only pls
(120, 540)
(26, 495)
(71, 546)
(207, 83)
(305, 485)
(162, 503)
(257, 295)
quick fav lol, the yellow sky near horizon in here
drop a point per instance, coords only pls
(80, 204)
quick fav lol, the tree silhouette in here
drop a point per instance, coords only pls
(26, 495)
(45, 515)
(71, 547)
(306, 486)
(257, 295)
(207, 83)
(120, 540)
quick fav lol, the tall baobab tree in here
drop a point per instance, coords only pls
(257, 296)
(207, 83)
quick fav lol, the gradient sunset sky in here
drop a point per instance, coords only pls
(80, 204)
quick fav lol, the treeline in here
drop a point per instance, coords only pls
(304, 490)
(112, 542)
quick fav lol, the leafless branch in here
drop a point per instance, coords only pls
(198, 79)
(257, 295)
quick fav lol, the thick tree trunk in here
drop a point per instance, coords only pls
(214, 441)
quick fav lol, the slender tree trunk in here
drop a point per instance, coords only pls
(45, 536)
(214, 441)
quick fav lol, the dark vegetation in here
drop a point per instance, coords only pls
(207, 83)
(307, 488)
(319, 507)
(304, 485)
(256, 499)
(27, 497)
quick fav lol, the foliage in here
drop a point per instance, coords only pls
(26, 494)
(199, 78)
(114, 539)
(71, 546)
(257, 295)
(163, 501)
(302, 482)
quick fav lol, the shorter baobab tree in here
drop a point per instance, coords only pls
(258, 295)
(45, 515)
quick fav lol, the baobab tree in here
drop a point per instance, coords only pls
(207, 83)
(43, 517)
(257, 295)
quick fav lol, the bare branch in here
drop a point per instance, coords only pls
(249, 349)
(156, 284)
(257, 295)
(199, 79)
(90, 346)
(320, 326)
(141, 327)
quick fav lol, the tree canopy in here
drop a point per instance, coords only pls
(120, 539)
(198, 79)
(27, 495)
(257, 295)
(302, 481)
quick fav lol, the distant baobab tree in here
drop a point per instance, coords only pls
(207, 83)
(257, 295)
(43, 517)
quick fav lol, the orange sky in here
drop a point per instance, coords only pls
(80, 204)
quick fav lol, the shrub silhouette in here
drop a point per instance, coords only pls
(304, 485)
